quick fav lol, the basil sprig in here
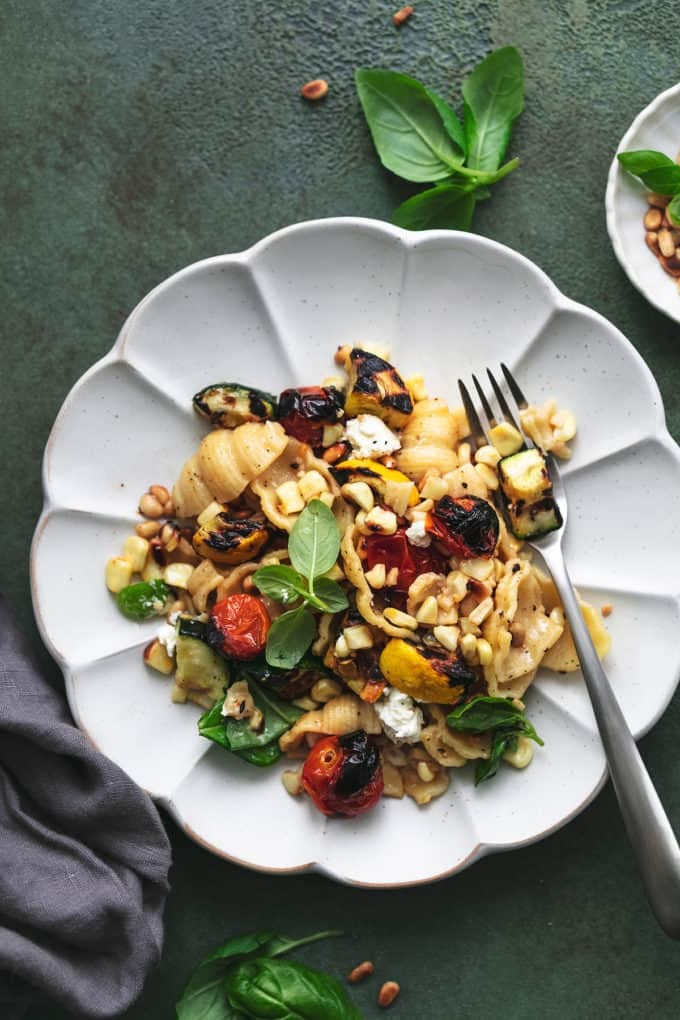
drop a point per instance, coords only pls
(500, 718)
(419, 137)
(313, 546)
(244, 980)
(658, 173)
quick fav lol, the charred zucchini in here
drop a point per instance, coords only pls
(199, 669)
(375, 387)
(229, 540)
(425, 674)
(231, 404)
(526, 485)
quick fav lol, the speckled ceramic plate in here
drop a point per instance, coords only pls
(446, 304)
(656, 127)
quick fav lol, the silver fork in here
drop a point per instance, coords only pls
(647, 824)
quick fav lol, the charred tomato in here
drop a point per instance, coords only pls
(343, 775)
(410, 560)
(303, 412)
(466, 526)
(238, 627)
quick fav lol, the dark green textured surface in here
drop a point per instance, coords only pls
(141, 136)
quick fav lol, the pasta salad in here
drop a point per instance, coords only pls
(339, 588)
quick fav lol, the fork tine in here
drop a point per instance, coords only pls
(504, 406)
(488, 410)
(477, 434)
(521, 400)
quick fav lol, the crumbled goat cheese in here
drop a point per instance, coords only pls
(417, 535)
(167, 634)
(400, 717)
(370, 437)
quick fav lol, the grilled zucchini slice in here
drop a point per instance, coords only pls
(229, 405)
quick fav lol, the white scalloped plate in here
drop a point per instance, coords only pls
(446, 304)
(655, 127)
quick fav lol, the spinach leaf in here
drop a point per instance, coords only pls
(450, 121)
(499, 717)
(329, 596)
(406, 126)
(493, 98)
(203, 997)
(446, 205)
(314, 542)
(657, 171)
(280, 582)
(256, 747)
(272, 989)
(503, 740)
(289, 637)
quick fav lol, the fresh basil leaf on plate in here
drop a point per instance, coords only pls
(274, 989)
(280, 582)
(501, 719)
(493, 99)
(330, 597)
(673, 210)
(657, 171)
(289, 637)
(408, 132)
(314, 542)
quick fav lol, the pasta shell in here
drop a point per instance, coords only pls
(338, 716)
(428, 439)
(191, 495)
(229, 459)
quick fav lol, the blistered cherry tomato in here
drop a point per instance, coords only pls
(410, 560)
(466, 526)
(343, 775)
(303, 412)
(238, 627)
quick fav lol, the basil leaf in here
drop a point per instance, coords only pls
(203, 997)
(486, 712)
(314, 542)
(262, 757)
(450, 121)
(212, 725)
(673, 211)
(503, 740)
(657, 171)
(281, 944)
(281, 583)
(406, 126)
(329, 595)
(279, 716)
(448, 206)
(493, 97)
(272, 989)
(289, 637)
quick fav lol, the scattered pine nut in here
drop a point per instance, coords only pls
(388, 993)
(361, 972)
(314, 90)
(148, 529)
(607, 609)
(402, 15)
(653, 218)
(150, 506)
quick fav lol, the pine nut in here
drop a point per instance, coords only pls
(660, 201)
(607, 609)
(335, 452)
(360, 972)
(666, 246)
(388, 993)
(652, 241)
(314, 90)
(400, 16)
(148, 529)
(671, 265)
(160, 492)
(652, 220)
(169, 537)
(150, 506)
(169, 507)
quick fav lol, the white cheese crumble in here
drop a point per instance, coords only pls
(369, 436)
(167, 634)
(417, 535)
(400, 717)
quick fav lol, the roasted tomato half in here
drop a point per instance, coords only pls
(410, 560)
(304, 412)
(238, 627)
(466, 526)
(343, 775)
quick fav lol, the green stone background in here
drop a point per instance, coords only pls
(141, 135)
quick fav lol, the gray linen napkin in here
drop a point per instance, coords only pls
(84, 858)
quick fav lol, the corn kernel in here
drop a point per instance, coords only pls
(522, 754)
(488, 476)
(468, 646)
(447, 636)
(425, 773)
(379, 521)
(341, 648)
(208, 515)
(358, 637)
(400, 619)
(335, 573)
(177, 574)
(152, 571)
(290, 498)
(359, 493)
(480, 612)
(292, 781)
(484, 652)
(464, 453)
(312, 484)
(332, 434)
(397, 495)
(456, 584)
(135, 549)
(118, 573)
(487, 455)
(506, 438)
(428, 611)
(417, 387)
(479, 567)
(328, 498)
(325, 689)
(468, 627)
(392, 577)
(376, 577)
(434, 488)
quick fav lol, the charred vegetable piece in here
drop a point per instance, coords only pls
(189, 626)
(231, 404)
(410, 560)
(374, 474)
(424, 674)
(375, 387)
(199, 668)
(466, 526)
(304, 412)
(230, 540)
(144, 599)
(529, 520)
(238, 627)
(526, 485)
(343, 775)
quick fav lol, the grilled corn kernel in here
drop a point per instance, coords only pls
(398, 495)
(487, 455)
(424, 771)
(325, 689)
(152, 570)
(331, 435)
(376, 576)
(563, 425)
(447, 636)
(505, 438)
(290, 498)
(400, 619)
(392, 577)
(177, 574)
(428, 610)
(480, 612)
(379, 521)
(341, 648)
(328, 498)
(456, 584)
(479, 567)
(468, 646)
(207, 516)
(359, 493)
(434, 488)
(464, 453)
(522, 754)
(487, 475)
(118, 573)
(312, 484)
(135, 549)
(417, 387)
(335, 573)
(484, 652)
(358, 637)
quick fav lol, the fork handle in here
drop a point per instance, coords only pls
(647, 824)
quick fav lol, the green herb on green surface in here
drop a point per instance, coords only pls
(313, 546)
(270, 989)
(419, 137)
(501, 719)
(205, 995)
